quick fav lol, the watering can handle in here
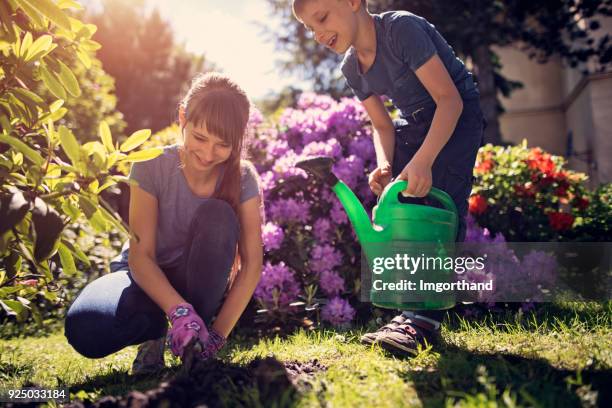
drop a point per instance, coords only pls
(392, 190)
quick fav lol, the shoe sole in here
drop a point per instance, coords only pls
(396, 348)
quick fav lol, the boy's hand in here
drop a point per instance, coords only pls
(379, 178)
(418, 175)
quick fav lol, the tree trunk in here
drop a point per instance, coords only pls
(482, 58)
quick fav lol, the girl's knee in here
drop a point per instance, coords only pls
(84, 331)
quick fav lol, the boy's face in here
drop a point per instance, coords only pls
(333, 22)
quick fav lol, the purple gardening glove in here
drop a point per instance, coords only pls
(186, 324)
(215, 342)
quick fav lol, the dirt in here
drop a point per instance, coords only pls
(216, 384)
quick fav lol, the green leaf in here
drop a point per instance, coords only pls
(136, 139)
(69, 144)
(144, 155)
(64, 4)
(105, 135)
(69, 80)
(20, 146)
(52, 83)
(25, 44)
(48, 9)
(30, 97)
(76, 251)
(41, 47)
(84, 57)
(13, 307)
(67, 260)
(35, 16)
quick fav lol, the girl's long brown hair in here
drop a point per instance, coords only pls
(223, 107)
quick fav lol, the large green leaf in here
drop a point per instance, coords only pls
(136, 139)
(52, 83)
(69, 80)
(67, 260)
(69, 144)
(50, 10)
(22, 147)
(105, 135)
(144, 155)
(41, 47)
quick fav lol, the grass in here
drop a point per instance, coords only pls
(559, 356)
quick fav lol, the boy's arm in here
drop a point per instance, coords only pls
(384, 132)
(250, 247)
(435, 78)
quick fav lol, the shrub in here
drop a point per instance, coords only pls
(48, 179)
(529, 195)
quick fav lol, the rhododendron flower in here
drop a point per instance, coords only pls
(272, 236)
(337, 311)
(331, 283)
(277, 286)
(324, 258)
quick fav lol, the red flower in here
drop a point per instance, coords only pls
(484, 166)
(560, 221)
(582, 203)
(561, 191)
(526, 190)
(478, 204)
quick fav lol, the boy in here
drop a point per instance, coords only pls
(402, 56)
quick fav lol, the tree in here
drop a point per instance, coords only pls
(150, 70)
(545, 28)
(47, 179)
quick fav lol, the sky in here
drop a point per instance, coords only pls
(225, 31)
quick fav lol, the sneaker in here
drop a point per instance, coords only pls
(370, 338)
(150, 357)
(406, 337)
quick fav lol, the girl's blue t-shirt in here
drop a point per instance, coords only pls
(163, 178)
(404, 42)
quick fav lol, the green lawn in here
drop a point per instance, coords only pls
(559, 356)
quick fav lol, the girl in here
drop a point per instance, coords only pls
(402, 56)
(189, 209)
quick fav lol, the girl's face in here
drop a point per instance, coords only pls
(332, 22)
(203, 150)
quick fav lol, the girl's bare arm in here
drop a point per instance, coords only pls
(142, 261)
(250, 247)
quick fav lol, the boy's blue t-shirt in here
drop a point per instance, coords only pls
(404, 42)
(163, 178)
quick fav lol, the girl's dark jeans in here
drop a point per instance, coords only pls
(113, 312)
(453, 167)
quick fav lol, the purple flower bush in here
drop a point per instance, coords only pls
(519, 278)
(307, 230)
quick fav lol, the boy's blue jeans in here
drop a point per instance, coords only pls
(113, 312)
(452, 171)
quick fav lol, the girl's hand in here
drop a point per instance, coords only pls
(215, 342)
(379, 178)
(186, 324)
(418, 174)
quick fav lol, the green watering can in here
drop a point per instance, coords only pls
(398, 228)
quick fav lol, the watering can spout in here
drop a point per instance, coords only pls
(321, 168)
